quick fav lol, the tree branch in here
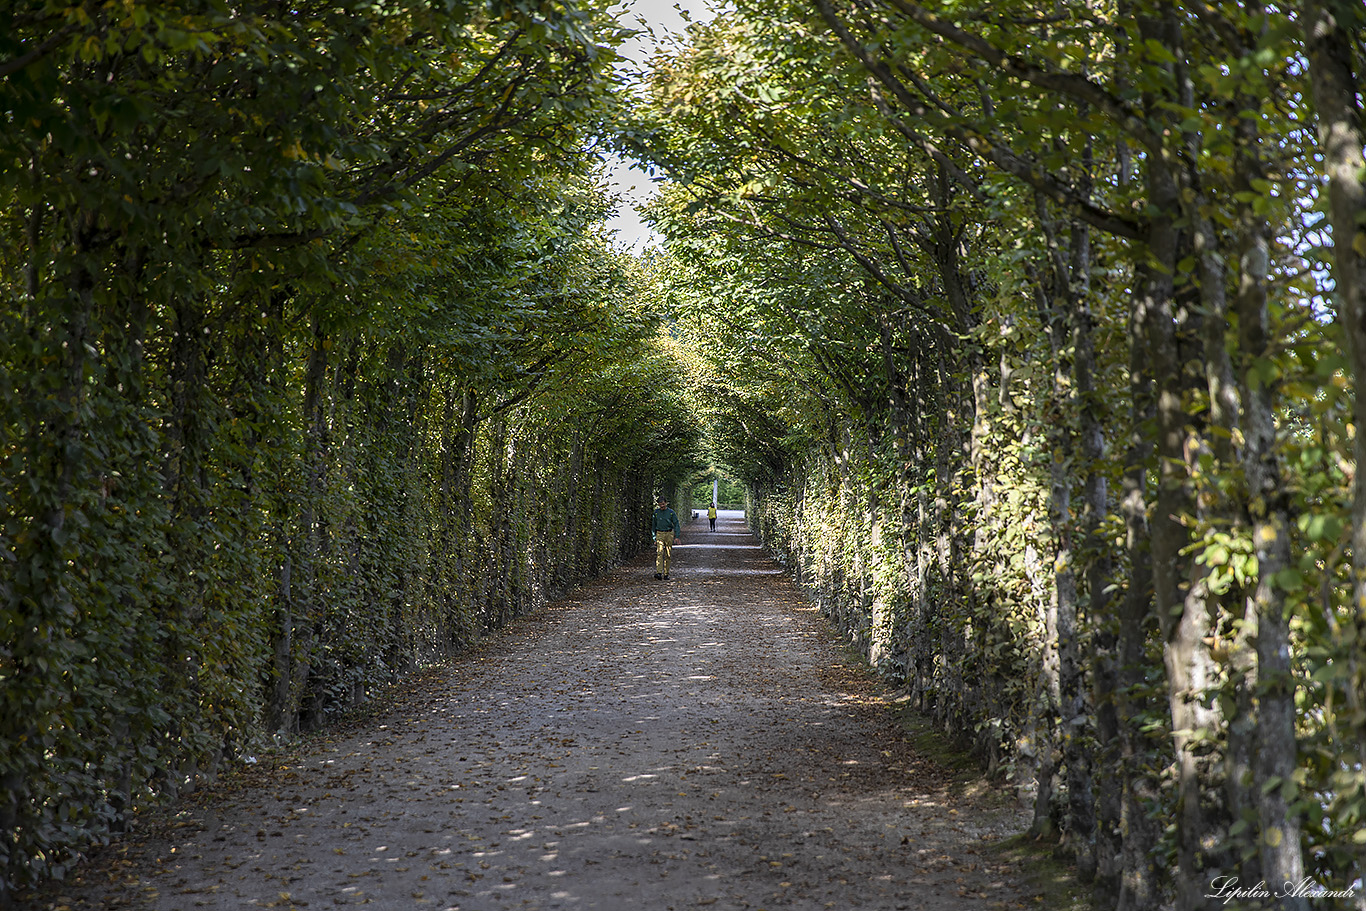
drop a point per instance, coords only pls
(1042, 75)
(9, 67)
(999, 154)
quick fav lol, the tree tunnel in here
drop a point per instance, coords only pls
(1031, 335)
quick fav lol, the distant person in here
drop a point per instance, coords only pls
(666, 531)
(711, 516)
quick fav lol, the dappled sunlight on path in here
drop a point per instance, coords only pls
(696, 742)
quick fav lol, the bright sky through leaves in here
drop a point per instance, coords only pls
(658, 19)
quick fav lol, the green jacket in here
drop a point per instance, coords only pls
(666, 520)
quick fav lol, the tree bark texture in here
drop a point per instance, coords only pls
(1331, 33)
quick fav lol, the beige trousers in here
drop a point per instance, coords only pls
(664, 550)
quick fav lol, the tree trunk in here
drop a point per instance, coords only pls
(452, 544)
(1216, 508)
(298, 597)
(1331, 35)
(1061, 301)
(1138, 876)
(498, 605)
(573, 544)
(1268, 509)
(1089, 449)
(1183, 609)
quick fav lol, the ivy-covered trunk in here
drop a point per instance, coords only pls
(1139, 888)
(297, 608)
(48, 488)
(1061, 289)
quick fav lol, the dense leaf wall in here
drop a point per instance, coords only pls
(314, 365)
(1021, 324)
(311, 570)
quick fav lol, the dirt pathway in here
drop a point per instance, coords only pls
(700, 742)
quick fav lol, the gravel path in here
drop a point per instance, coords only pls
(698, 742)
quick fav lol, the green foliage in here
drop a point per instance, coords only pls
(1002, 310)
(730, 493)
(315, 365)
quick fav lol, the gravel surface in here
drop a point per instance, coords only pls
(701, 742)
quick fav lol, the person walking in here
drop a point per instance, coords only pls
(666, 530)
(711, 516)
